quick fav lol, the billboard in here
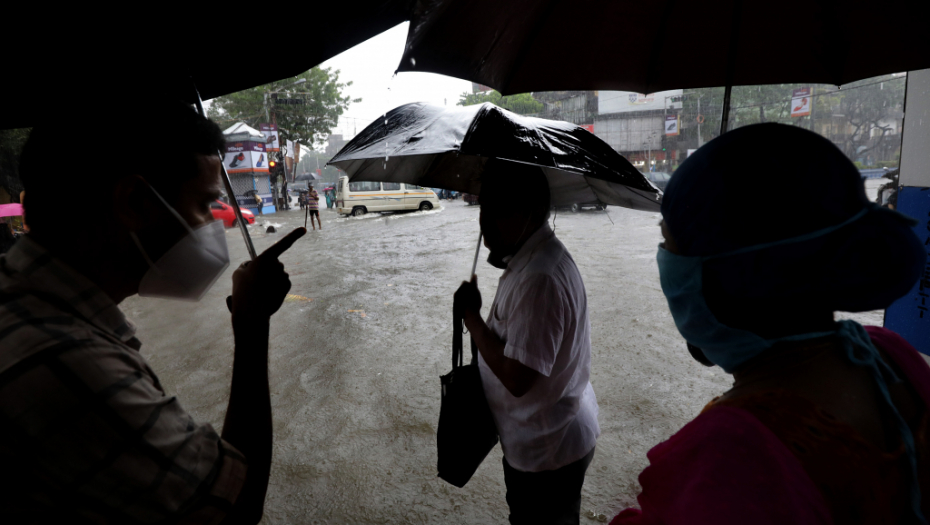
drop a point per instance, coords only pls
(272, 140)
(626, 101)
(672, 126)
(245, 157)
(801, 102)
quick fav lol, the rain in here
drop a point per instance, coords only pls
(355, 366)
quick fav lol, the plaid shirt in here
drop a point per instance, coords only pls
(87, 435)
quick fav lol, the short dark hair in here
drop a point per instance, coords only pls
(514, 185)
(73, 162)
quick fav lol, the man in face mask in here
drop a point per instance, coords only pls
(535, 348)
(89, 433)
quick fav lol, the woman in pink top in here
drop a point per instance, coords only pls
(827, 422)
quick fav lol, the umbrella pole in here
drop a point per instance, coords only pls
(229, 189)
(474, 265)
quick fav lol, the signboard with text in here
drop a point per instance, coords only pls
(626, 101)
(801, 102)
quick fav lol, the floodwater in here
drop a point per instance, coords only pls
(357, 350)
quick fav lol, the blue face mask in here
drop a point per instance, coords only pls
(682, 284)
(727, 347)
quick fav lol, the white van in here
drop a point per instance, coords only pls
(359, 198)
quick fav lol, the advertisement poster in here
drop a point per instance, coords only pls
(626, 101)
(272, 139)
(801, 102)
(671, 125)
(245, 157)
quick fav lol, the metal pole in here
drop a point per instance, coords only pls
(700, 141)
(725, 117)
(812, 108)
(228, 183)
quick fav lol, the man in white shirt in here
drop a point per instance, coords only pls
(535, 349)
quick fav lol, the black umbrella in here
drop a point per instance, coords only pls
(443, 147)
(73, 53)
(645, 47)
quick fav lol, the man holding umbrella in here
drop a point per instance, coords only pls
(535, 349)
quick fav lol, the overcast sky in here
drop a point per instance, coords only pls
(371, 65)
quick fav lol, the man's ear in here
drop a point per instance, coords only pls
(135, 203)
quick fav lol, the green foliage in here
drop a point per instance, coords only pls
(521, 104)
(859, 165)
(309, 123)
(847, 116)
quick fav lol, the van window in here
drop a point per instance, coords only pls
(414, 187)
(390, 186)
(364, 186)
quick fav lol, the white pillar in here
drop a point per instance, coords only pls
(910, 315)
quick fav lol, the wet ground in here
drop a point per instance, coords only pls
(357, 351)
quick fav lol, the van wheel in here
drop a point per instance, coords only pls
(425, 206)
(575, 208)
(358, 211)
(600, 207)
(234, 223)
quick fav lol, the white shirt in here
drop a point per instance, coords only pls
(541, 313)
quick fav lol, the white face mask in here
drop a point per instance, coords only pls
(190, 267)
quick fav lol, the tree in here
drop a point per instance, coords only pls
(309, 123)
(857, 118)
(866, 107)
(522, 104)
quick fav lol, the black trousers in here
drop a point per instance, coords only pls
(551, 496)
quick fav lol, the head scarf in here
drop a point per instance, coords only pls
(733, 193)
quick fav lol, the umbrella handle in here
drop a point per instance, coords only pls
(228, 183)
(474, 265)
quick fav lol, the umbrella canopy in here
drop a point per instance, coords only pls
(441, 147)
(645, 47)
(87, 53)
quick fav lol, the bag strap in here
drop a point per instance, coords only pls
(474, 351)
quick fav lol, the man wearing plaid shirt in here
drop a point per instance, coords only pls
(87, 434)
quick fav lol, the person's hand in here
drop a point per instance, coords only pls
(259, 286)
(467, 300)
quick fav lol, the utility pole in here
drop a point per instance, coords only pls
(700, 117)
(813, 103)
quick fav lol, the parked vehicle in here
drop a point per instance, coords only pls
(359, 198)
(471, 199)
(224, 212)
(578, 206)
(659, 178)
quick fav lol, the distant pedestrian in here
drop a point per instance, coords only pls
(259, 204)
(313, 203)
(330, 197)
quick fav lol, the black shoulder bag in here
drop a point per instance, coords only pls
(466, 427)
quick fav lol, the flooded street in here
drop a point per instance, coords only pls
(358, 348)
